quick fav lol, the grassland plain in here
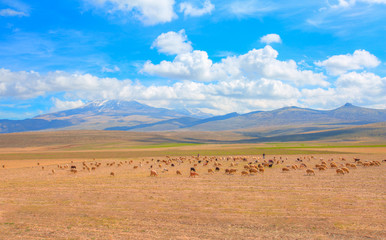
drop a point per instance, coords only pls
(36, 203)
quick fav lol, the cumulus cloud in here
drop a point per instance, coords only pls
(189, 10)
(150, 12)
(270, 38)
(173, 43)
(257, 63)
(12, 13)
(241, 95)
(340, 64)
(60, 105)
(358, 88)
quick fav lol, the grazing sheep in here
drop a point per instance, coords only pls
(53, 171)
(210, 170)
(322, 168)
(345, 170)
(253, 170)
(231, 171)
(310, 172)
(333, 165)
(153, 173)
(261, 170)
(74, 170)
(339, 171)
(217, 169)
(192, 169)
(42, 167)
(112, 174)
(244, 173)
(193, 174)
(3, 166)
(135, 167)
(285, 169)
(178, 172)
(38, 164)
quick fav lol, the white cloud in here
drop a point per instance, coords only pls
(60, 105)
(150, 12)
(241, 95)
(12, 13)
(257, 63)
(340, 64)
(350, 3)
(173, 43)
(357, 88)
(270, 38)
(111, 69)
(249, 8)
(189, 10)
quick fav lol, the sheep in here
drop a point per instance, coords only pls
(244, 173)
(322, 168)
(253, 170)
(74, 170)
(53, 171)
(210, 170)
(285, 169)
(193, 174)
(153, 173)
(217, 169)
(112, 174)
(3, 166)
(261, 170)
(339, 171)
(192, 169)
(42, 167)
(345, 170)
(178, 172)
(135, 167)
(310, 172)
(333, 165)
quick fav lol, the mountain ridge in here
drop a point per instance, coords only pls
(135, 116)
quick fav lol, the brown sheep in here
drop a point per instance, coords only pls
(178, 172)
(231, 171)
(339, 171)
(135, 167)
(285, 169)
(112, 174)
(53, 171)
(253, 170)
(322, 168)
(153, 173)
(193, 174)
(244, 173)
(261, 170)
(310, 172)
(345, 170)
(210, 170)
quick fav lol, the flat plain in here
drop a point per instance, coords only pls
(41, 198)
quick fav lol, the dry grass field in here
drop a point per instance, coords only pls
(37, 203)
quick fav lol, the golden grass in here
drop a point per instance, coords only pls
(36, 204)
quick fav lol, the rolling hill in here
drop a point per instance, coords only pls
(134, 116)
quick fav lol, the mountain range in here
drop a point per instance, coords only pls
(134, 116)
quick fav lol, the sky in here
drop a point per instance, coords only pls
(211, 56)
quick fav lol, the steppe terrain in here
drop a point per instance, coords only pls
(41, 198)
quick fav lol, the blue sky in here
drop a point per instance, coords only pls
(213, 56)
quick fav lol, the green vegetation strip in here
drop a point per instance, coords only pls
(140, 154)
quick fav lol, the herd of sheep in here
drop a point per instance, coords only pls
(231, 165)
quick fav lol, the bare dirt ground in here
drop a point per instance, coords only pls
(36, 203)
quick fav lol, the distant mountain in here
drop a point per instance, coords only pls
(134, 116)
